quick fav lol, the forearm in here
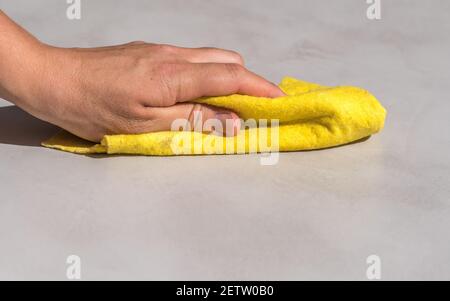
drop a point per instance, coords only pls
(20, 61)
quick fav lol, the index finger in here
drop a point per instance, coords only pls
(193, 81)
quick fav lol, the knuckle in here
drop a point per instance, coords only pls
(235, 70)
(164, 48)
(167, 81)
(137, 43)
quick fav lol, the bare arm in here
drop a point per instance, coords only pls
(133, 88)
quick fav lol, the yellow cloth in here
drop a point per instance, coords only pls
(311, 116)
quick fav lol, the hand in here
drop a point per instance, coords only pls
(136, 87)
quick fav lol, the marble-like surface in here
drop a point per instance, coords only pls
(314, 215)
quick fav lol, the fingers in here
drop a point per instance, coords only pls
(191, 55)
(186, 82)
(186, 74)
(209, 55)
(212, 72)
(196, 117)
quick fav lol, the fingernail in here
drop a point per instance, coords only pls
(231, 123)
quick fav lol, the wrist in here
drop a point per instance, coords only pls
(32, 73)
(19, 64)
(37, 78)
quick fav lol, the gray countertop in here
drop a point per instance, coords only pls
(314, 215)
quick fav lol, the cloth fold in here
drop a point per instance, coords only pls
(310, 116)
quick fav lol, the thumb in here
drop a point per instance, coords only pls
(196, 117)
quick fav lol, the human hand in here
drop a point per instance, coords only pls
(136, 87)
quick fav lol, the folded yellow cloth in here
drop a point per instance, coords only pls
(310, 116)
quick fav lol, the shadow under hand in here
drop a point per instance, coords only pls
(17, 127)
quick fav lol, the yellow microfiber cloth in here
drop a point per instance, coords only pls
(310, 116)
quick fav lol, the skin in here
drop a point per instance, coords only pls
(126, 89)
